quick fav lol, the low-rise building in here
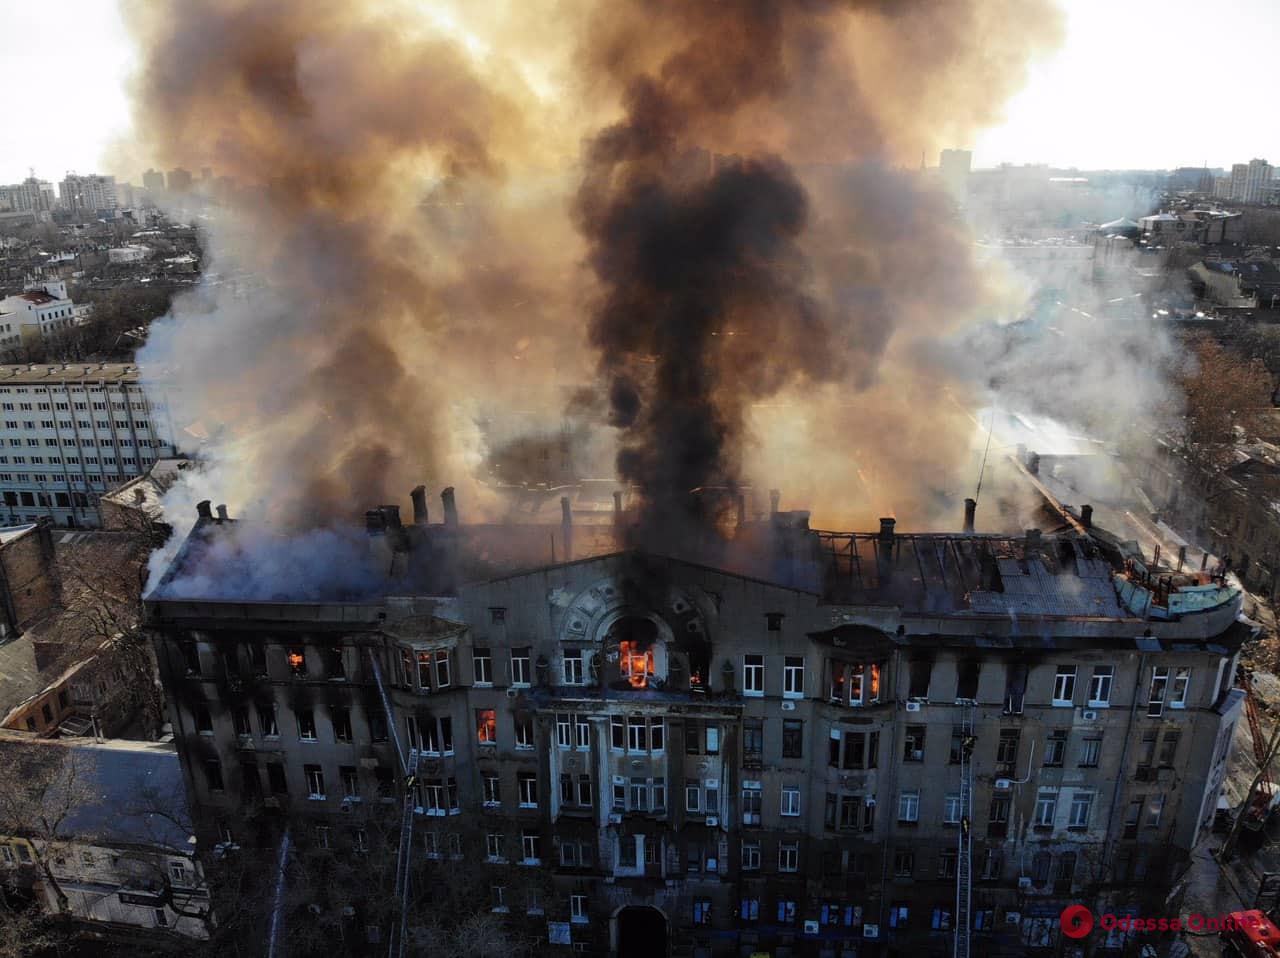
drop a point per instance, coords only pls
(43, 309)
(117, 852)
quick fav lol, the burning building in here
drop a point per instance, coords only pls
(801, 742)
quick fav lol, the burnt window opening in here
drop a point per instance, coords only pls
(213, 773)
(241, 717)
(967, 680)
(635, 637)
(258, 659)
(497, 615)
(341, 724)
(919, 674)
(377, 725)
(250, 784)
(204, 721)
(792, 738)
(1015, 688)
(191, 656)
(334, 666)
(773, 620)
(297, 659)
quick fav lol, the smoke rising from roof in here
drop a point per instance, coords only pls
(707, 197)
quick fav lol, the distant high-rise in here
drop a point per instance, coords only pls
(89, 193)
(179, 180)
(153, 180)
(1251, 182)
(29, 196)
(954, 166)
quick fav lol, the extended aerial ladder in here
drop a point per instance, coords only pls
(1259, 802)
(964, 850)
(404, 857)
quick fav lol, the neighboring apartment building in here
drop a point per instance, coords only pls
(1251, 182)
(29, 196)
(717, 763)
(69, 432)
(118, 852)
(88, 194)
(42, 309)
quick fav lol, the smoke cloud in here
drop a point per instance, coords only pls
(702, 213)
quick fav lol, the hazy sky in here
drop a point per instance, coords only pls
(1138, 83)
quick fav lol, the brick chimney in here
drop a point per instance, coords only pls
(450, 508)
(419, 497)
(884, 550)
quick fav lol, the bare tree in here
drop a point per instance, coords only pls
(1224, 396)
(41, 788)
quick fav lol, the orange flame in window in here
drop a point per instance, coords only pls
(635, 665)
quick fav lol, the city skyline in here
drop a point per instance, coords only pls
(1085, 106)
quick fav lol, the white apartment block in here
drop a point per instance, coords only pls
(88, 193)
(42, 309)
(70, 432)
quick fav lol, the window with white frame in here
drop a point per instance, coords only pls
(789, 857)
(529, 846)
(443, 676)
(793, 677)
(637, 734)
(578, 908)
(564, 730)
(790, 801)
(524, 733)
(498, 897)
(751, 802)
(493, 846)
(574, 669)
(315, 781)
(750, 856)
(1046, 808)
(1100, 686)
(520, 672)
(1064, 686)
(482, 662)
(1181, 682)
(1081, 809)
(581, 731)
(753, 675)
(951, 809)
(1159, 688)
(909, 806)
(528, 789)
(492, 789)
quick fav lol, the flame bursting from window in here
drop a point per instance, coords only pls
(635, 664)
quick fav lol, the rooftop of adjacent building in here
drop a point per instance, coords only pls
(126, 793)
(146, 491)
(45, 373)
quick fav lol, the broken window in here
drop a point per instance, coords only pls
(967, 680)
(919, 672)
(341, 718)
(913, 747)
(334, 666)
(1015, 687)
(486, 726)
(306, 725)
(792, 738)
(297, 659)
(635, 664)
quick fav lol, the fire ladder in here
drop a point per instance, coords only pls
(964, 849)
(409, 766)
(1260, 801)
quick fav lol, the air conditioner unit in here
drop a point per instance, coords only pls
(870, 931)
(913, 706)
(512, 693)
(1013, 917)
(1024, 882)
(619, 780)
(810, 926)
(615, 818)
(1003, 784)
(1088, 715)
(788, 706)
(917, 755)
(712, 820)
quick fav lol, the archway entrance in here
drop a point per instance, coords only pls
(641, 932)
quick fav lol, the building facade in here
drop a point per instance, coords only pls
(70, 432)
(88, 193)
(697, 761)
